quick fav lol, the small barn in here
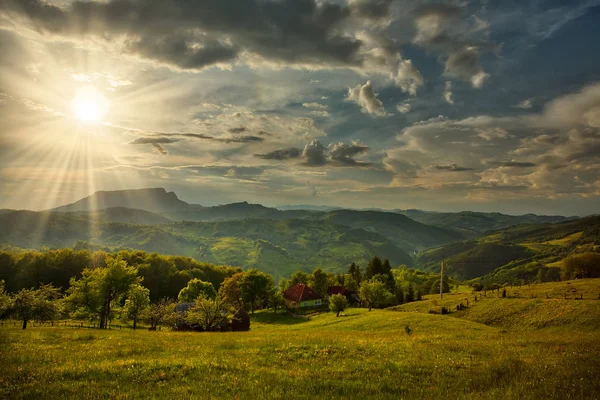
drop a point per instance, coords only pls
(301, 296)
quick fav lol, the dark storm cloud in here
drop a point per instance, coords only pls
(196, 34)
(373, 9)
(316, 154)
(342, 154)
(515, 164)
(282, 154)
(440, 28)
(452, 167)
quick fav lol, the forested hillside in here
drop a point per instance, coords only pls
(277, 247)
(518, 253)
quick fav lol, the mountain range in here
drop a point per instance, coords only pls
(278, 241)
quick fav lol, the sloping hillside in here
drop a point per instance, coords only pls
(406, 233)
(122, 215)
(475, 223)
(515, 253)
(277, 247)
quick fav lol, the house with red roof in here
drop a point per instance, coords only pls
(301, 296)
(351, 295)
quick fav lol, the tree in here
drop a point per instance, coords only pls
(138, 299)
(276, 300)
(581, 266)
(197, 288)
(540, 276)
(319, 281)
(210, 314)
(399, 294)
(435, 286)
(159, 312)
(375, 294)
(350, 283)
(4, 301)
(299, 277)
(231, 290)
(410, 293)
(355, 273)
(35, 304)
(374, 267)
(284, 283)
(255, 288)
(338, 303)
(94, 293)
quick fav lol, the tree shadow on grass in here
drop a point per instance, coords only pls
(276, 319)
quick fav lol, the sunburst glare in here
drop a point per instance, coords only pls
(89, 105)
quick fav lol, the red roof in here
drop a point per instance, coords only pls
(336, 290)
(300, 292)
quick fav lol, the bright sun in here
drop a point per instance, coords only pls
(89, 105)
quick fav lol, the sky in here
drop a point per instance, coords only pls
(448, 106)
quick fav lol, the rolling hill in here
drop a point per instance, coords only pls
(278, 247)
(515, 253)
(475, 223)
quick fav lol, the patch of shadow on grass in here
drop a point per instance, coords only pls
(277, 319)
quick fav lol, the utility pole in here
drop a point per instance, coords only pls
(442, 280)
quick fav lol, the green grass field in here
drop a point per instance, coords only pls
(360, 355)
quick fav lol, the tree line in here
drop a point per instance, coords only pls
(138, 286)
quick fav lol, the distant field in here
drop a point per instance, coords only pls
(360, 355)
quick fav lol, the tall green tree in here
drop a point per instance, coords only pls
(375, 294)
(197, 288)
(354, 271)
(231, 290)
(375, 267)
(255, 288)
(299, 277)
(97, 289)
(338, 303)
(320, 281)
(410, 293)
(138, 299)
(35, 304)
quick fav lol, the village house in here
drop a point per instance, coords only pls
(352, 295)
(302, 296)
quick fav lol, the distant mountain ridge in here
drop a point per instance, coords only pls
(156, 200)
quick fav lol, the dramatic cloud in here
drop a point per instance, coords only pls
(439, 28)
(195, 35)
(525, 104)
(403, 108)
(364, 96)
(448, 92)
(343, 154)
(452, 167)
(282, 154)
(515, 164)
(315, 106)
(153, 140)
(314, 153)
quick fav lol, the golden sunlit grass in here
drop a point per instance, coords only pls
(361, 355)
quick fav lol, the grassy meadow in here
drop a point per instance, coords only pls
(480, 352)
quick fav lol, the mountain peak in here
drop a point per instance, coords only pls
(150, 199)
